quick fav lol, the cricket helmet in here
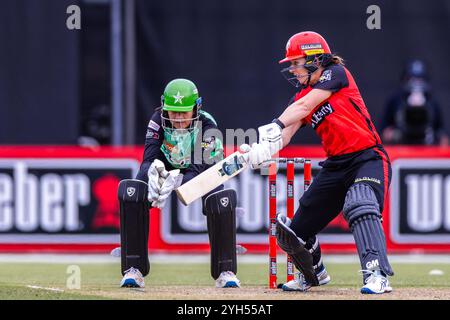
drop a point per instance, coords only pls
(305, 44)
(311, 46)
(180, 95)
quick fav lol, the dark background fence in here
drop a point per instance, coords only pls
(54, 83)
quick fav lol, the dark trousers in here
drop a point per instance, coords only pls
(325, 198)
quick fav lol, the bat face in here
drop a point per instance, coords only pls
(231, 166)
(210, 179)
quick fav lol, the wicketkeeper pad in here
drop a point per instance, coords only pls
(134, 225)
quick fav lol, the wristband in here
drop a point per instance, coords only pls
(279, 123)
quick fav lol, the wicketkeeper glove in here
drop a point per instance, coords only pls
(155, 180)
(172, 180)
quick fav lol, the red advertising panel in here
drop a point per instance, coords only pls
(64, 199)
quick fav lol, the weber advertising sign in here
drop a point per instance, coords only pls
(65, 199)
(61, 200)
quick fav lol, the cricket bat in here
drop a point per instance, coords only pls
(212, 178)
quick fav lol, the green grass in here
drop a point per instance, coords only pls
(98, 279)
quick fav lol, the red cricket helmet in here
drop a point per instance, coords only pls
(304, 44)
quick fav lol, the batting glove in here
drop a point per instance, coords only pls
(271, 133)
(257, 154)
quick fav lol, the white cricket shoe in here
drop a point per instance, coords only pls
(132, 279)
(227, 279)
(300, 284)
(376, 283)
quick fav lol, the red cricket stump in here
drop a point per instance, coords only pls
(272, 227)
(290, 176)
(290, 172)
(307, 174)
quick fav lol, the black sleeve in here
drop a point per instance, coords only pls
(153, 141)
(332, 79)
(212, 150)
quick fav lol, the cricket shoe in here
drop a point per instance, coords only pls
(132, 279)
(300, 284)
(227, 279)
(376, 283)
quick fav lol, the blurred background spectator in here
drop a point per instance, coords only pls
(412, 114)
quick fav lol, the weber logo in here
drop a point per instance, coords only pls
(420, 202)
(321, 113)
(61, 195)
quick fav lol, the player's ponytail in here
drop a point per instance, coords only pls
(335, 59)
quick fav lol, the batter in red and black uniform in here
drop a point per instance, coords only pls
(355, 176)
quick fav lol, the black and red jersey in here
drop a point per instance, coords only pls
(342, 121)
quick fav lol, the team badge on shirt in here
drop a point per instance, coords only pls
(209, 143)
(152, 134)
(326, 76)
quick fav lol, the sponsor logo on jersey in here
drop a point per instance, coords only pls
(209, 143)
(169, 146)
(326, 76)
(321, 114)
(153, 125)
(152, 134)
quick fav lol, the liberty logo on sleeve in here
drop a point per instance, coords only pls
(321, 114)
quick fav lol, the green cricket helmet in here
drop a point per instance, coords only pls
(180, 95)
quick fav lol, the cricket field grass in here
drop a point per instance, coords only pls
(56, 281)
